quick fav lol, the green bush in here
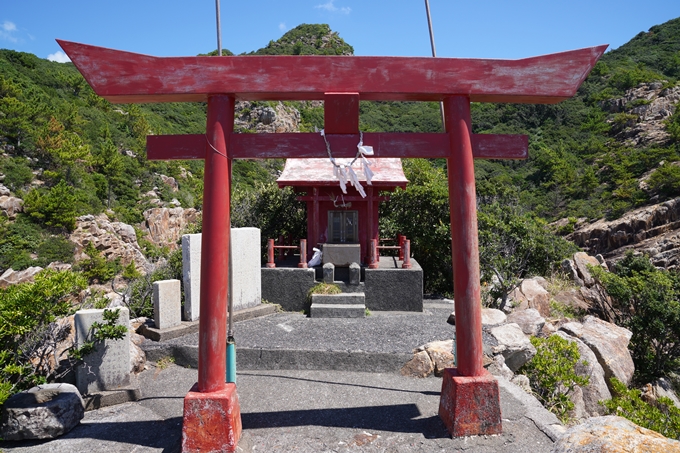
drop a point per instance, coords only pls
(661, 416)
(552, 374)
(55, 248)
(96, 269)
(55, 207)
(27, 314)
(666, 179)
(645, 300)
(17, 173)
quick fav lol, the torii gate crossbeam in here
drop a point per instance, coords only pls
(470, 398)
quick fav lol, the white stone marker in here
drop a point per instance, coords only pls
(108, 366)
(191, 270)
(246, 270)
(246, 267)
(167, 303)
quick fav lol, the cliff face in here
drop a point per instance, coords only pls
(647, 107)
(653, 230)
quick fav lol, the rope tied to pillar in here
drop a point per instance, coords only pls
(345, 173)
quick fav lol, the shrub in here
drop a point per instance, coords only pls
(17, 173)
(645, 300)
(661, 416)
(552, 373)
(96, 268)
(666, 179)
(27, 315)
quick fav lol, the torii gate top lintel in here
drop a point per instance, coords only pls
(125, 77)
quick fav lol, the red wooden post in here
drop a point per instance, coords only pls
(212, 420)
(215, 246)
(270, 254)
(461, 175)
(373, 263)
(303, 254)
(400, 241)
(405, 251)
(470, 398)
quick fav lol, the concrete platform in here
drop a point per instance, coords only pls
(321, 392)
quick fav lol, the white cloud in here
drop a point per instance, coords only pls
(59, 57)
(282, 26)
(7, 30)
(330, 7)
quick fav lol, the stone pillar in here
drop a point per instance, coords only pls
(167, 303)
(191, 270)
(108, 366)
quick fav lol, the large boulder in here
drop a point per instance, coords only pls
(164, 226)
(492, 317)
(597, 389)
(434, 356)
(581, 261)
(12, 277)
(419, 366)
(43, 412)
(531, 294)
(612, 434)
(513, 345)
(11, 206)
(609, 342)
(112, 239)
(530, 320)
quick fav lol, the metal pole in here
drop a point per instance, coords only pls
(219, 29)
(434, 55)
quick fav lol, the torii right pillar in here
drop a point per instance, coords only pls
(470, 399)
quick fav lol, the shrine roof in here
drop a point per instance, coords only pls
(387, 172)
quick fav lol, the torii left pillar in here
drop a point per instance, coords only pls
(212, 415)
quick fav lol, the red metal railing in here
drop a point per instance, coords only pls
(271, 247)
(404, 249)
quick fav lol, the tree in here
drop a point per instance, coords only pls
(55, 207)
(514, 244)
(646, 300)
(421, 212)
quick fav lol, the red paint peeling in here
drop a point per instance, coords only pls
(125, 77)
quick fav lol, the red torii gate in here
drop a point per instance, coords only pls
(470, 399)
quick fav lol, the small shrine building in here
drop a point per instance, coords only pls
(335, 217)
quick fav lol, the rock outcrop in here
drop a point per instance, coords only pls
(277, 119)
(11, 206)
(648, 106)
(609, 342)
(164, 227)
(12, 277)
(613, 434)
(597, 389)
(112, 239)
(653, 230)
(530, 294)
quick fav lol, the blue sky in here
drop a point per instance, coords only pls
(474, 28)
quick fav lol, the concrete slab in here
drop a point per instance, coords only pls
(337, 311)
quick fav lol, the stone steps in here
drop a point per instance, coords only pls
(344, 305)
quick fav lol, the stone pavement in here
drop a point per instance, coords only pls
(312, 410)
